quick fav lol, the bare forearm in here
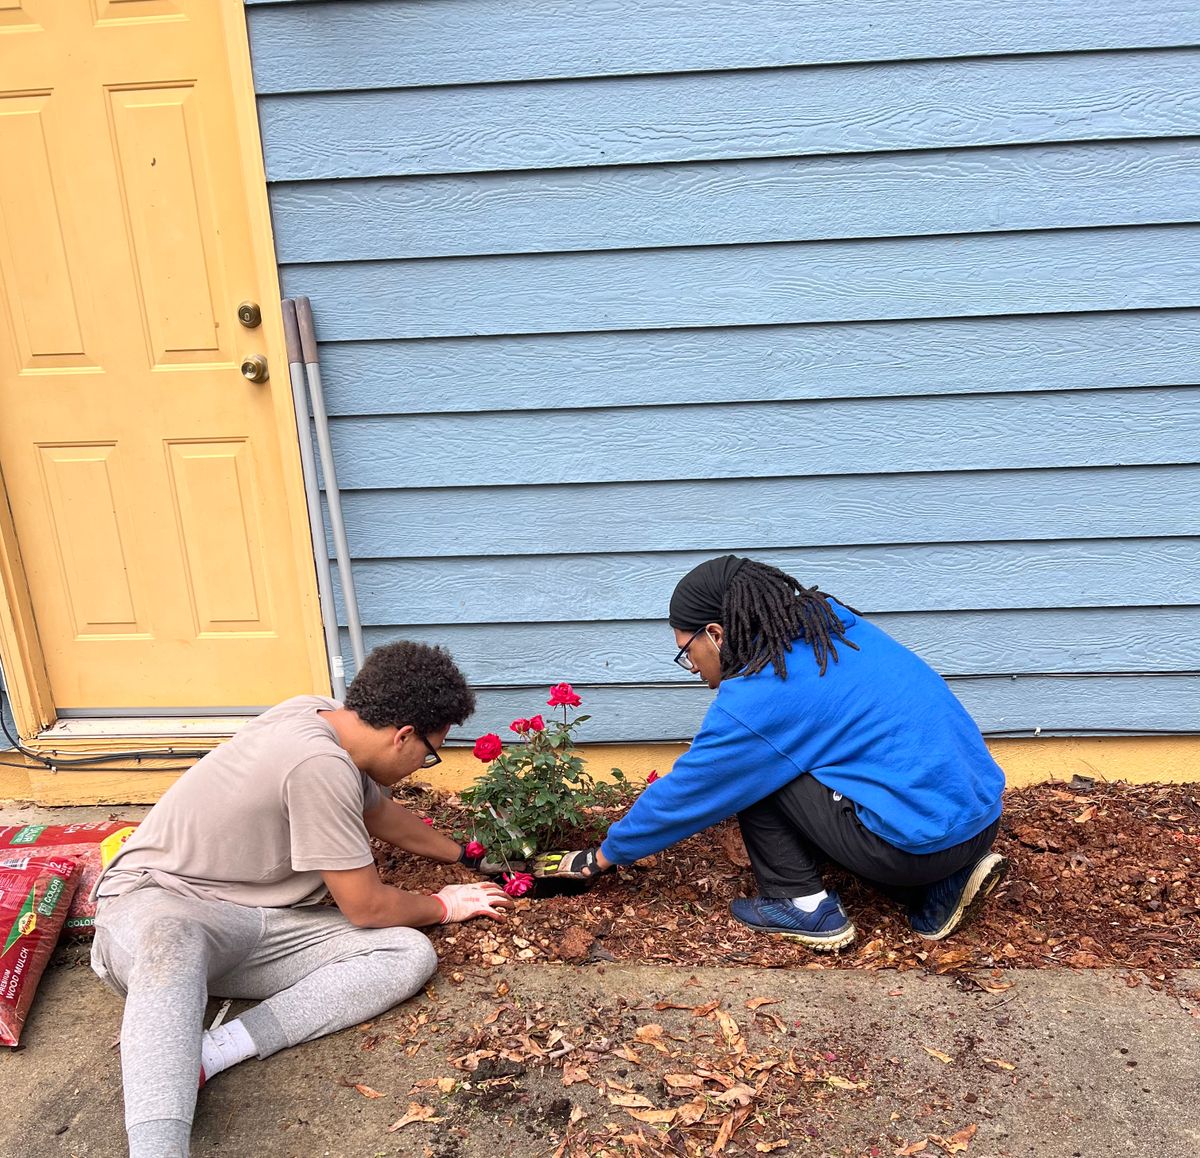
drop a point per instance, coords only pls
(391, 907)
(403, 828)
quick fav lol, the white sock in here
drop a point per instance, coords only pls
(225, 1046)
(811, 903)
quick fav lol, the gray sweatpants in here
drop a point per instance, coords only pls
(166, 955)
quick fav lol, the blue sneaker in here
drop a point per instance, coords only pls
(828, 928)
(948, 903)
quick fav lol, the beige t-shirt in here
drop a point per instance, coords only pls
(255, 820)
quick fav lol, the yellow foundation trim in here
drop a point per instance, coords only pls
(1173, 759)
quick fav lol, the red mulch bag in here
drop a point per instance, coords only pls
(93, 845)
(35, 895)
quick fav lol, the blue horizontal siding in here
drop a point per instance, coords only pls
(1067, 704)
(700, 515)
(906, 305)
(818, 281)
(760, 113)
(1057, 641)
(765, 363)
(739, 440)
(736, 202)
(486, 589)
(413, 42)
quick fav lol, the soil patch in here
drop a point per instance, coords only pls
(1101, 875)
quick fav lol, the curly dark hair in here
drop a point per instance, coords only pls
(410, 683)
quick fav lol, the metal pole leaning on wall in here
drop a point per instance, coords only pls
(312, 494)
(341, 548)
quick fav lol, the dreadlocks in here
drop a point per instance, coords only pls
(764, 611)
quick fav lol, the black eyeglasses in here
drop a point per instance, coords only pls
(433, 759)
(683, 659)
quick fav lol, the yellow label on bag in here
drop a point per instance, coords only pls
(111, 845)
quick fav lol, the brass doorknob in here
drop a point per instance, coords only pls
(249, 314)
(254, 368)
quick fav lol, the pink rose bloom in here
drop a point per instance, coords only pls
(652, 775)
(427, 820)
(519, 726)
(536, 724)
(517, 884)
(488, 747)
(563, 696)
(475, 850)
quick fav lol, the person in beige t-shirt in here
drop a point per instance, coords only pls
(216, 894)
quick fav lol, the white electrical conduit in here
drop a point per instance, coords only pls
(341, 548)
(312, 495)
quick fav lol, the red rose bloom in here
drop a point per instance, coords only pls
(517, 884)
(519, 726)
(536, 724)
(475, 850)
(488, 747)
(652, 775)
(563, 696)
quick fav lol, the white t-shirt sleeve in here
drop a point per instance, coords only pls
(324, 799)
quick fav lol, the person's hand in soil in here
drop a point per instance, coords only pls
(479, 862)
(578, 865)
(462, 902)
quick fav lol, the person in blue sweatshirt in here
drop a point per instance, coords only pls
(830, 741)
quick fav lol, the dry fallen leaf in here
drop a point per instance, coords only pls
(730, 1029)
(631, 1101)
(1087, 814)
(956, 1143)
(705, 1009)
(739, 1095)
(844, 1083)
(1004, 1065)
(416, 1113)
(574, 1072)
(767, 1147)
(759, 1002)
(367, 1092)
(684, 1081)
(944, 1058)
(691, 1112)
(654, 1117)
(913, 1148)
(650, 1034)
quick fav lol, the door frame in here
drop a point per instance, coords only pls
(28, 686)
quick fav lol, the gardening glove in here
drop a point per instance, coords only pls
(482, 899)
(480, 863)
(580, 865)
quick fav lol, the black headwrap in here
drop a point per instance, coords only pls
(699, 597)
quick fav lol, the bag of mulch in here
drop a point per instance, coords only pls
(93, 845)
(35, 895)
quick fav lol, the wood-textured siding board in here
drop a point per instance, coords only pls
(706, 116)
(819, 281)
(1054, 641)
(847, 359)
(396, 44)
(737, 202)
(762, 513)
(937, 577)
(998, 704)
(749, 440)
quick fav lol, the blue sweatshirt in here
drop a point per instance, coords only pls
(881, 727)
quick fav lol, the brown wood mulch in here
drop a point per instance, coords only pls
(1101, 875)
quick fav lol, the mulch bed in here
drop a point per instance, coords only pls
(1101, 875)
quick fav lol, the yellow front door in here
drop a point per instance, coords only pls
(154, 490)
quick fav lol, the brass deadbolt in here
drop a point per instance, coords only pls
(254, 368)
(249, 315)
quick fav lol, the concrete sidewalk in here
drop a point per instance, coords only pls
(1047, 1064)
(1097, 1068)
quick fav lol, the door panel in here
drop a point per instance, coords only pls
(148, 480)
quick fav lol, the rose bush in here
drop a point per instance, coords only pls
(536, 792)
